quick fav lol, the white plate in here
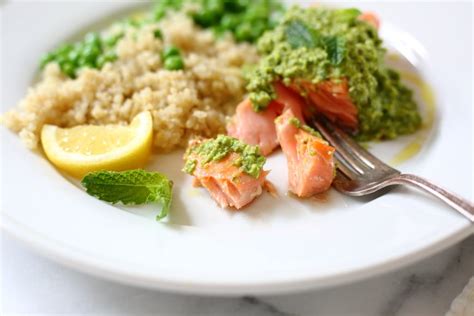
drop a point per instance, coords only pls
(276, 245)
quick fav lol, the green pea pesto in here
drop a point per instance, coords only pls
(308, 129)
(189, 166)
(319, 44)
(249, 158)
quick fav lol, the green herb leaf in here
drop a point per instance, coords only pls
(348, 14)
(335, 48)
(130, 188)
(298, 34)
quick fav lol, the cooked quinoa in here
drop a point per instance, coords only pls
(194, 101)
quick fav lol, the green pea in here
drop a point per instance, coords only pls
(69, 69)
(171, 51)
(159, 14)
(219, 30)
(90, 64)
(61, 59)
(215, 6)
(111, 40)
(174, 63)
(134, 23)
(243, 32)
(110, 56)
(91, 53)
(163, 6)
(205, 18)
(93, 39)
(233, 6)
(100, 62)
(230, 21)
(64, 49)
(157, 34)
(73, 56)
(243, 3)
(257, 29)
(257, 12)
(45, 59)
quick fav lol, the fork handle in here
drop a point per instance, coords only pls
(460, 204)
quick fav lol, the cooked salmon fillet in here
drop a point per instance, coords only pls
(255, 128)
(310, 159)
(370, 18)
(258, 128)
(227, 183)
(331, 98)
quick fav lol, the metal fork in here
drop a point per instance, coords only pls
(361, 173)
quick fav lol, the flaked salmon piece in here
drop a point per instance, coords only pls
(331, 98)
(310, 159)
(270, 188)
(289, 100)
(255, 128)
(225, 181)
(370, 18)
(258, 128)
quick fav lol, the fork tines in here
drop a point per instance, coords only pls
(353, 160)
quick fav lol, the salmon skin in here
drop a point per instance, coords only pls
(227, 183)
(310, 159)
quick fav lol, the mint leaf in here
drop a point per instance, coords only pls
(298, 34)
(347, 14)
(335, 48)
(132, 187)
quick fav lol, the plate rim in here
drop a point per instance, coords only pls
(80, 261)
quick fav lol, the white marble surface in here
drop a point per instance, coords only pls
(31, 284)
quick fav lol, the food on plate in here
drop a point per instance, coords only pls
(84, 148)
(188, 71)
(311, 167)
(255, 128)
(196, 100)
(370, 18)
(258, 128)
(334, 58)
(230, 170)
(132, 187)
(246, 20)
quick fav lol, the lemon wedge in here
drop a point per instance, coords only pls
(81, 149)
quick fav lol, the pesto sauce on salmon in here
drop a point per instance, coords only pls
(249, 158)
(319, 44)
(308, 129)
